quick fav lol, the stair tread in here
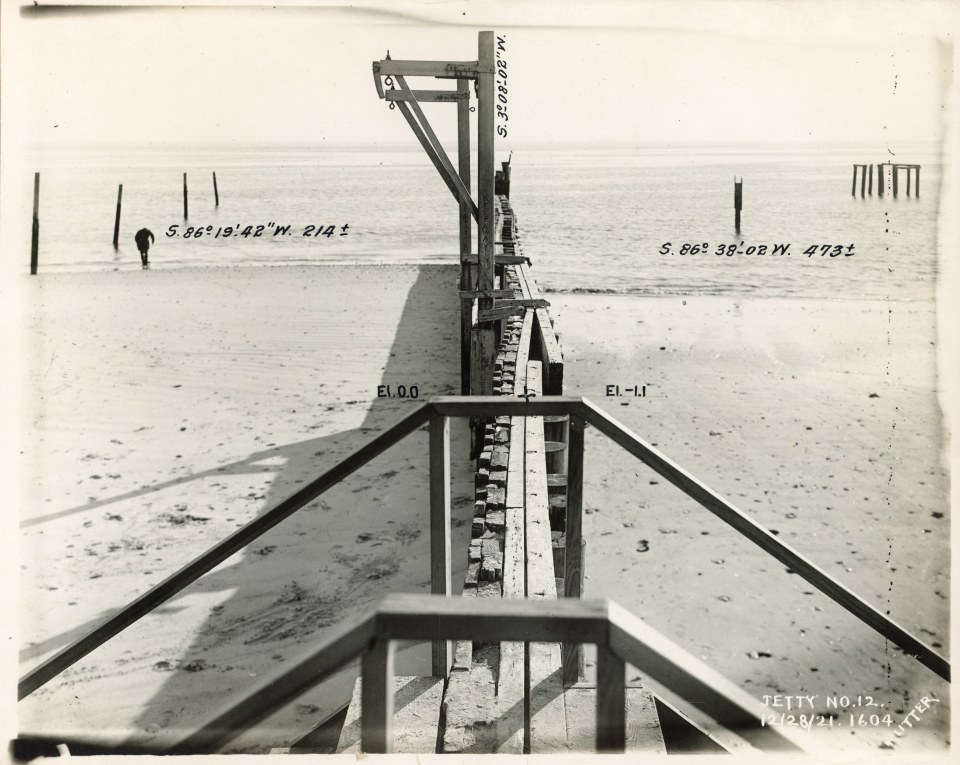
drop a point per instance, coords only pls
(643, 724)
(415, 721)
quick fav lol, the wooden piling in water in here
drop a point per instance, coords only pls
(917, 192)
(116, 222)
(853, 189)
(863, 181)
(737, 201)
(894, 168)
(880, 179)
(216, 194)
(35, 237)
(908, 180)
(870, 181)
(184, 196)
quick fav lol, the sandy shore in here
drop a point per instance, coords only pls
(820, 420)
(178, 405)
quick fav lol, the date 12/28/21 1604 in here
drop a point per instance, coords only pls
(742, 248)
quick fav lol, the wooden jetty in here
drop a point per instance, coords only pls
(507, 665)
(865, 174)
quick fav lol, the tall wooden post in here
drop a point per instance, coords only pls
(116, 222)
(908, 180)
(216, 194)
(737, 201)
(894, 181)
(573, 666)
(35, 237)
(484, 345)
(184, 196)
(467, 281)
(853, 190)
(870, 182)
(917, 192)
(880, 179)
(440, 529)
(863, 181)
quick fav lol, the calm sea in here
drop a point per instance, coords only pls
(591, 219)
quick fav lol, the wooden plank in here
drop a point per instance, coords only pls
(523, 355)
(440, 556)
(611, 712)
(548, 725)
(427, 96)
(443, 69)
(661, 660)
(500, 260)
(376, 714)
(769, 543)
(494, 406)
(203, 563)
(471, 713)
(416, 720)
(643, 734)
(552, 355)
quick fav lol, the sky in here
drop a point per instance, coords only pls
(621, 73)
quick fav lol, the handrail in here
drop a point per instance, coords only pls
(208, 560)
(620, 637)
(475, 406)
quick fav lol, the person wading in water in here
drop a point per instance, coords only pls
(143, 238)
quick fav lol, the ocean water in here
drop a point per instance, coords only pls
(591, 219)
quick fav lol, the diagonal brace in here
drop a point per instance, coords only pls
(431, 144)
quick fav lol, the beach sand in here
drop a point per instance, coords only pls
(178, 405)
(174, 407)
(820, 420)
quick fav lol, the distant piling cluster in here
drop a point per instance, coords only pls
(865, 172)
(35, 235)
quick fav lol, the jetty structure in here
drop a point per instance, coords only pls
(865, 173)
(507, 669)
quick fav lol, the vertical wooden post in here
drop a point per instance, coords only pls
(863, 181)
(880, 179)
(870, 182)
(35, 236)
(611, 701)
(573, 552)
(376, 698)
(894, 181)
(184, 196)
(440, 529)
(908, 180)
(917, 191)
(466, 231)
(216, 194)
(484, 337)
(116, 222)
(853, 190)
(737, 201)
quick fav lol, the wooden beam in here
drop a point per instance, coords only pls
(471, 294)
(427, 96)
(208, 560)
(500, 260)
(573, 555)
(442, 69)
(440, 577)
(466, 229)
(493, 406)
(421, 617)
(611, 701)
(344, 644)
(376, 713)
(463, 191)
(523, 355)
(769, 543)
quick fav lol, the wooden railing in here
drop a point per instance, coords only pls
(581, 412)
(620, 638)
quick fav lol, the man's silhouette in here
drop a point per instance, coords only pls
(143, 238)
